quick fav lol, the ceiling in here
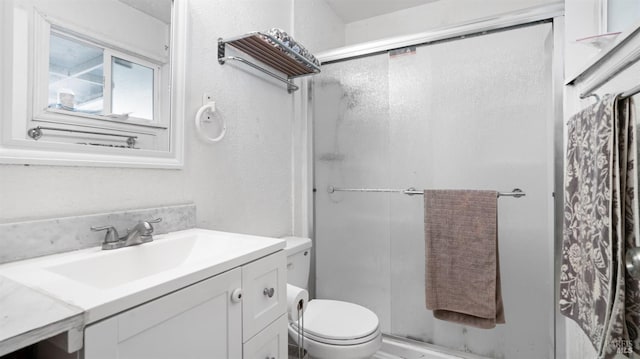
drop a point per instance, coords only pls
(354, 10)
(347, 10)
(160, 9)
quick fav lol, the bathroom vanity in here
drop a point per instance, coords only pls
(192, 293)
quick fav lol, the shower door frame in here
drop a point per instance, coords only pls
(553, 13)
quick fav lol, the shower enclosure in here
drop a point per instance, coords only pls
(469, 113)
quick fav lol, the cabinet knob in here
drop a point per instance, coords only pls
(269, 292)
(236, 295)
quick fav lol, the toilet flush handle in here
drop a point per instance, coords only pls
(269, 292)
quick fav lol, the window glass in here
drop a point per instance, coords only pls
(76, 75)
(132, 89)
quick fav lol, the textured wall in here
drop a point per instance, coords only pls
(317, 26)
(242, 184)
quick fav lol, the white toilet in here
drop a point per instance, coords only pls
(332, 329)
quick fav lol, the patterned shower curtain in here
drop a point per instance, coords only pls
(600, 223)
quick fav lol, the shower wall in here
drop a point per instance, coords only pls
(474, 113)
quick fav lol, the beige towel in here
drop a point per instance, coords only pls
(463, 272)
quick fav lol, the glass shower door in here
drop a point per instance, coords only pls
(474, 113)
(351, 135)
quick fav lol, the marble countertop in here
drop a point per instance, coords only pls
(62, 293)
(28, 316)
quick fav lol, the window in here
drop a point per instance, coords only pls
(132, 89)
(92, 90)
(76, 75)
(91, 84)
(90, 80)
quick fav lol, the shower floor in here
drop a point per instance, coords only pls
(400, 348)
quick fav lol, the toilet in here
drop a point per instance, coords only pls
(332, 329)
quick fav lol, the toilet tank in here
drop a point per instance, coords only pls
(298, 252)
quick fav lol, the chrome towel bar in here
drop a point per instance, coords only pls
(290, 85)
(36, 133)
(516, 192)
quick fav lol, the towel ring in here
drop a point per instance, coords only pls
(211, 108)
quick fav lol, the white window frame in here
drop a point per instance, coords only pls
(22, 26)
(41, 111)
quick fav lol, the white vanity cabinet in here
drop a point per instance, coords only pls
(264, 318)
(270, 343)
(200, 321)
(203, 320)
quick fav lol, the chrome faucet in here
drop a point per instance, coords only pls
(142, 232)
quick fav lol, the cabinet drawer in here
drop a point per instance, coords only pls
(270, 343)
(265, 293)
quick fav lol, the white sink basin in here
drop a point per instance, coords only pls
(105, 282)
(120, 266)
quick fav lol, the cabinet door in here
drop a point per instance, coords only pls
(265, 293)
(271, 343)
(200, 321)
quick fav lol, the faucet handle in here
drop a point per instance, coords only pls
(148, 228)
(111, 238)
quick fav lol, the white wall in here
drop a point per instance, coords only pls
(317, 26)
(242, 184)
(582, 20)
(430, 16)
(111, 20)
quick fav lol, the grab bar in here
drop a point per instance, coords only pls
(516, 192)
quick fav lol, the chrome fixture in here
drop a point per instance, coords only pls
(141, 233)
(36, 134)
(632, 262)
(260, 46)
(269, 292)
(516, 192)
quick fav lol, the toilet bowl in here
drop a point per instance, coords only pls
(338, 330)
(331, 329)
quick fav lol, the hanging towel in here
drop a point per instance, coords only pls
(463, 271)
(600, 223)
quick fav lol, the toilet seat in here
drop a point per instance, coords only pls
(337, 342)
(338, 323)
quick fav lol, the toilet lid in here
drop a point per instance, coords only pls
(336, 320)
